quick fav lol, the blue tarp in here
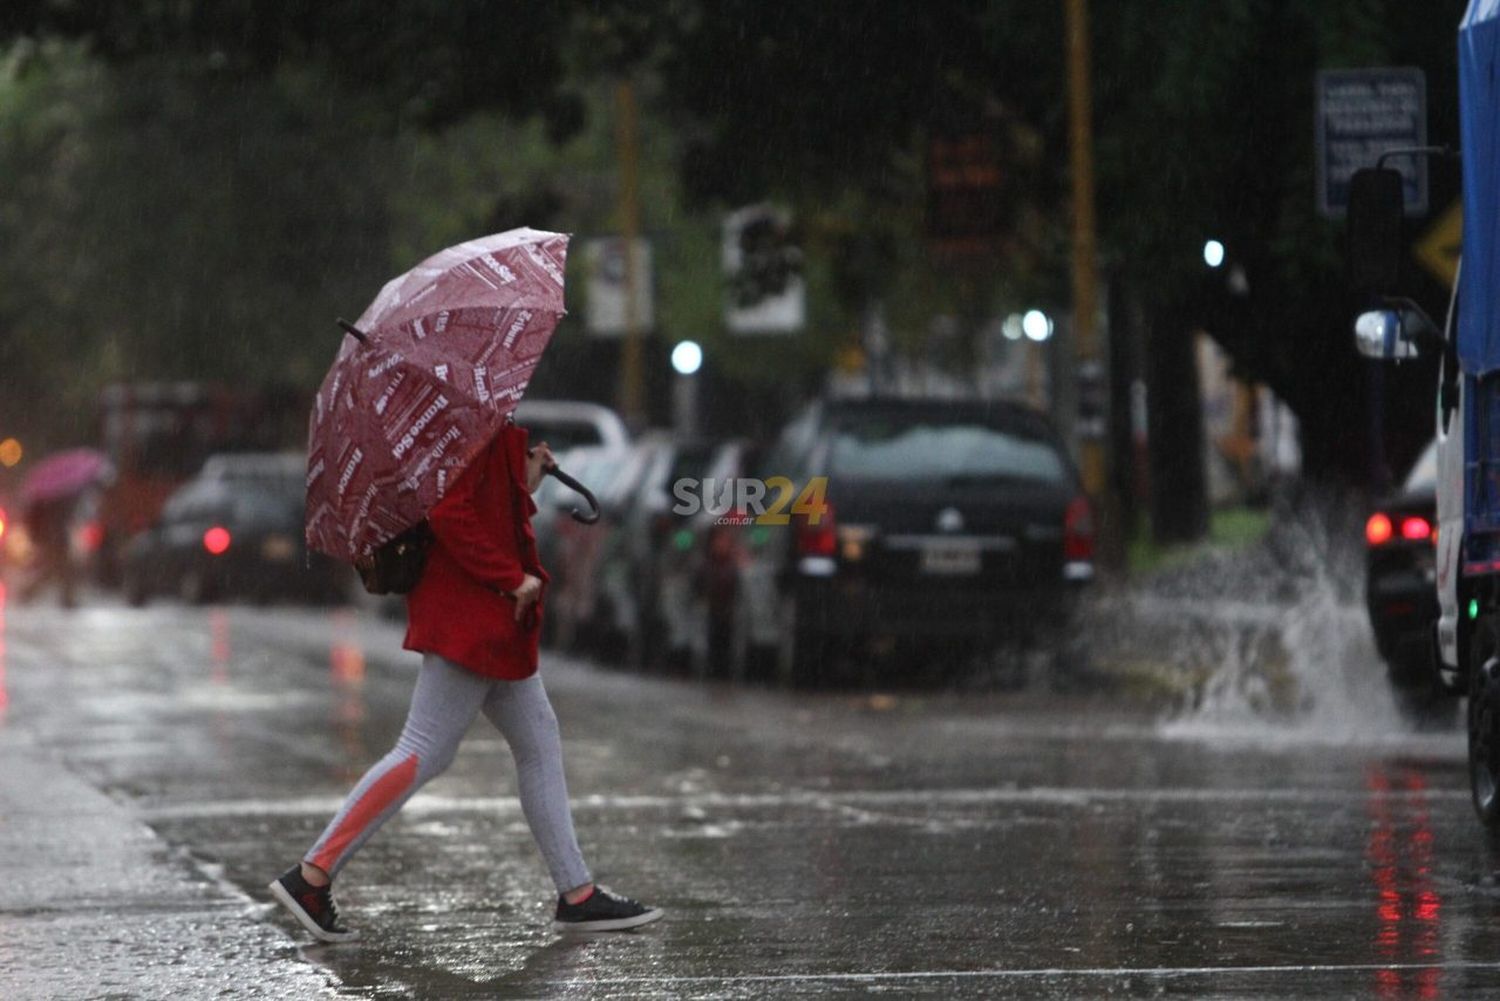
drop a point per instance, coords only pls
(1479, 119)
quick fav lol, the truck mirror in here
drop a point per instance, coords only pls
(1381, 334)
(1375, 210)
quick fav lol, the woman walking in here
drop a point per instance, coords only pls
(476, 617)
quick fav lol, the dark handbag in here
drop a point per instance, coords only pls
(396, 567)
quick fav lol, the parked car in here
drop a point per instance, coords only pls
(949, 529)
(1400, 591)
(233, 531)
(712, 549)
(570, 424)
(573, 553)
(646, 567)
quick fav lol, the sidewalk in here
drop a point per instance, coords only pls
(94, 905)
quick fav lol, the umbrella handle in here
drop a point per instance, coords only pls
(582, 517)
(353, 331)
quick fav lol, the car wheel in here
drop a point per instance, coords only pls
(1484, 724)
(644, 643)
(748, 660)
(136, 592)
(193, 587)
(1428, 708)
(739, 644)
(801, 653)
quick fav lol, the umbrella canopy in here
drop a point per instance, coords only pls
(439, 360)
(63, 475)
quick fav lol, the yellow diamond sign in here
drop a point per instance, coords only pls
(1439, 247)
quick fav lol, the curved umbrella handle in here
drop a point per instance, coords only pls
(582, 517)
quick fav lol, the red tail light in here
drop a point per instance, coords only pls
(90, 536)
(1378, 530)
(216, 540)
(1078, 531)
(817, 540)
(1416, 529)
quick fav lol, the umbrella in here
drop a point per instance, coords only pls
(427, 376)
(63, 475)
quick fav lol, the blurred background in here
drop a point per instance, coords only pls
(1108, 236)
(193, 191)
(1111, 646)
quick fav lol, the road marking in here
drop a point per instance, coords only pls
(1053, 972)
(1042, 795)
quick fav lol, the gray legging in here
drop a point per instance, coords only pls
(445, 701)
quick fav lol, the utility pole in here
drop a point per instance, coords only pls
(627, 149)
(1091, 372)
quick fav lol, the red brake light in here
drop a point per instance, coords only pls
(90, 536)
(1378, 530)
(820, 539)
(1078, 531)
(216, 540)
(1416, 529)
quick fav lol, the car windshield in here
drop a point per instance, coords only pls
(562, 435)
(1423, 475)
(897, 447)
(267, 508)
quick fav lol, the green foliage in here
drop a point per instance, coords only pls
(162, 224)
(194, 188)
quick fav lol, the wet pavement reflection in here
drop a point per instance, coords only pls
(932, 844)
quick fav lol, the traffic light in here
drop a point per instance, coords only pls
(769, 260)
(764, 289)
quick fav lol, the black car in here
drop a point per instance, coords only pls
(945, 528)
(1400, 537)
(234, 531)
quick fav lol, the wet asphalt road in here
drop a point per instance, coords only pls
(917, 845)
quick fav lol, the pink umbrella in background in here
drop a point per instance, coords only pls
(64, 474)
(426, 378)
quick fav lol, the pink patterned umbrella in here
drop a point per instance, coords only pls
(426, 378)
(64, 474)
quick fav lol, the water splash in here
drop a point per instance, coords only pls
(1270, 645)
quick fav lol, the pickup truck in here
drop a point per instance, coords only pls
(1466, 637)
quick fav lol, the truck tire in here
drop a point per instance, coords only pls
(1484, 722)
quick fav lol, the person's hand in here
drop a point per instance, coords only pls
(539, 459)
(527, 594)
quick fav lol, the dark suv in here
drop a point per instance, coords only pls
(949, 528)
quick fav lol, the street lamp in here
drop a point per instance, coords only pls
(687, 357)
(1036, 325)
(1213, 253)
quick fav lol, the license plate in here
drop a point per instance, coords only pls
(279, 548)
(950, 558)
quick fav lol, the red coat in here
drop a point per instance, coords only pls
(461, 609)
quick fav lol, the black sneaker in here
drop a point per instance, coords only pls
(603, 911)
(311, 905)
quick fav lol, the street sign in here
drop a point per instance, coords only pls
(609, 298)
(965, 180)
(766, 293)
(1362, 114)
(1439, 247)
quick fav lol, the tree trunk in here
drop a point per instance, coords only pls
(1179, 495)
